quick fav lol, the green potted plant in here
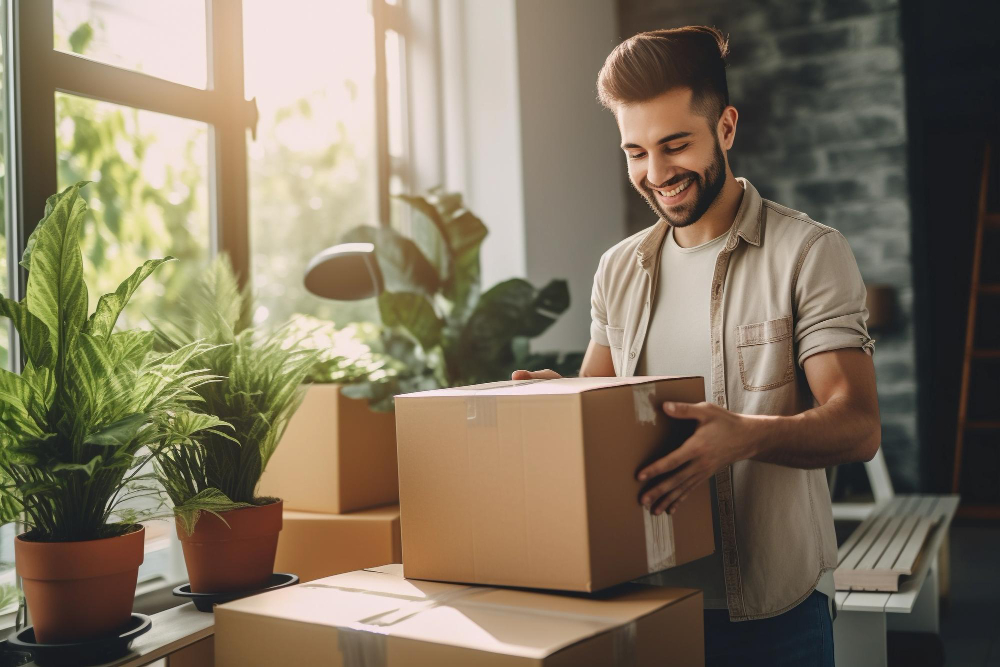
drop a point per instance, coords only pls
(228, 532)
(460, 335)
(89, 408)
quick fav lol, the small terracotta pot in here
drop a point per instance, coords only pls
(237, 557)
(79, 590)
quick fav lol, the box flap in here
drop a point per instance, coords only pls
(510, 622)
(541, 387)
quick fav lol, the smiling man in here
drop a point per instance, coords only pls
(769, 307)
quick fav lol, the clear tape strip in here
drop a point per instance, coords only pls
(361, 647)
(624, 643)
(661, 552)
(644, 402)
(481, 411)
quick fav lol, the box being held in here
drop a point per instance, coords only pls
(375, 617)
(336, 456)
(532, 483)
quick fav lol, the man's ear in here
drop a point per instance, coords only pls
(726, 128)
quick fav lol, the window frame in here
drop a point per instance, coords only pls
(35, 71)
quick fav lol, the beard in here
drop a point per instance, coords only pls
(708, 187)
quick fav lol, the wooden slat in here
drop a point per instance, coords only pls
(879, 547)
(865, 602)
(865, 526)
(926, 506)
(859, 551)
(906, 559)
(898, 542)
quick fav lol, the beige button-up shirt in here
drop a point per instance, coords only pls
(784, 288)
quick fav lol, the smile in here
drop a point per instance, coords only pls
(670, 194)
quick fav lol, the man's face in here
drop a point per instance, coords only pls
(674, 157)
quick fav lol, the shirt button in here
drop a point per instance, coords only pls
(631, 355)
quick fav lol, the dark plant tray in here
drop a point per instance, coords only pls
(91, 652)
(207, 601)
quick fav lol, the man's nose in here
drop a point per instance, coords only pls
(660, 170)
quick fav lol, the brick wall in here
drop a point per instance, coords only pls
(820, 91)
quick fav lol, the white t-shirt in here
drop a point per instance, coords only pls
(678, 342)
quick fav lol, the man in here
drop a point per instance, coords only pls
(769, 307)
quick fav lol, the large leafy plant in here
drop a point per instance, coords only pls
(257, 395)
(92, 405)
(433, 292)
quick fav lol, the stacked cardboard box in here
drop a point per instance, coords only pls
(335, 469)
(376, 617)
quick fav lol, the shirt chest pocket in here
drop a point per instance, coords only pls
(765, 353)
(616, 341)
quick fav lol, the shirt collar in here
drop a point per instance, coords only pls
(747, 226)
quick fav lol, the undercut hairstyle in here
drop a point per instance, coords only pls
(649, 64)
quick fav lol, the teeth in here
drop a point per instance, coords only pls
(676, 191)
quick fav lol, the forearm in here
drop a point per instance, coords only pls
(839, 431)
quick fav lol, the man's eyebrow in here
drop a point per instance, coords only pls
(665, 140)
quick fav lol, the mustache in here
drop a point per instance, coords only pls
(673, 181)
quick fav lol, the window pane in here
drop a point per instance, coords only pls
(148, 199)
(163, 39)
(312, 171)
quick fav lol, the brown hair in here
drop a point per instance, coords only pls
(649, 64)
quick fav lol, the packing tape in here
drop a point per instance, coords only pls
(660, 550)
(644, 402)
(481, 411)
(360, 647)
(624, 642)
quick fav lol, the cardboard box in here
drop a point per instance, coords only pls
(317, 545)
(532, 483)
(336, 456)
(376, 617)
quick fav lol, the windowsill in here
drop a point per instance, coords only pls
(173, 630)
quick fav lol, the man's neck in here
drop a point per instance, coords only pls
(717, 219)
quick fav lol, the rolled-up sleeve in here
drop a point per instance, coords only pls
(830, 299)
(598, 308)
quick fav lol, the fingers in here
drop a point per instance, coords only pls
(670, 501)
(669, 488)
(671, 461)
(699, 411)
(546, 374)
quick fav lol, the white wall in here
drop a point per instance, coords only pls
(526, 140)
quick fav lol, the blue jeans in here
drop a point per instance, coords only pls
(802, 636)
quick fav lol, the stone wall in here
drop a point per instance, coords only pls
(820, 89)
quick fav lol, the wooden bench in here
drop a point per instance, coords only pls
(889, 566)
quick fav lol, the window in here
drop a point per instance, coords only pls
(150, 102)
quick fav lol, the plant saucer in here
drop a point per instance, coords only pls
(207, 601)
(91, 652)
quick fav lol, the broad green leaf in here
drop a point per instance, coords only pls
(87, 467)
(17, 400)
(56, 292)
(404, 267)
(414, 313)
(465, 236)
(120, 433)
(33, 332)
(186, 423)
(131, 347)
(110, 306)
(428, 232)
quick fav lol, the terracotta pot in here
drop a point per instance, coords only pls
(237, 557)
(79, 590)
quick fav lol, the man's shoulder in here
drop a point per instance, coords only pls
(786, 226)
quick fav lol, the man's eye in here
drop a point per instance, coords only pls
(677, 149)
(636, 156)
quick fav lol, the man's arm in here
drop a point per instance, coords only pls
(845, 427)
(596, 364)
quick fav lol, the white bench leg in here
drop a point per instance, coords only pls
(925, 615)
(859, 639)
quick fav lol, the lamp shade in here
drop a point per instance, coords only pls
(345, 272)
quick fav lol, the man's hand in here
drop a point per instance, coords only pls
(721, 438)
(535, 375)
